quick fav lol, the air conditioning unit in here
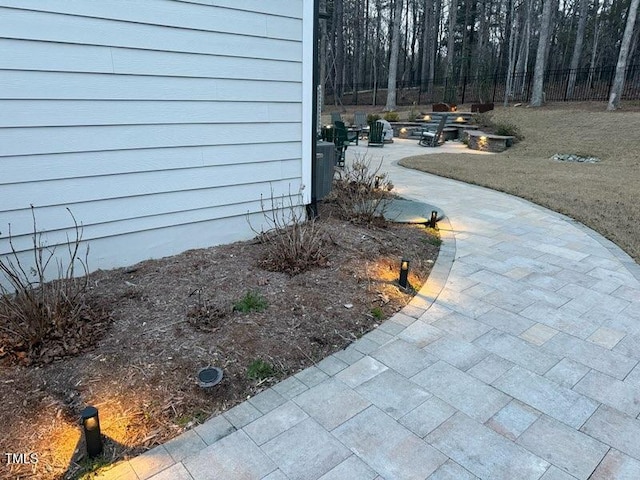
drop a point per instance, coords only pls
(324, 163)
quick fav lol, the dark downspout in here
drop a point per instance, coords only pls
(312, 208)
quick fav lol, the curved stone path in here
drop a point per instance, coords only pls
(517, 360)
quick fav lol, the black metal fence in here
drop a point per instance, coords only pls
(590, 84)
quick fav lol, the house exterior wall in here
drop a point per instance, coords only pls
(160, 124)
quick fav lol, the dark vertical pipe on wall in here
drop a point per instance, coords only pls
(312, 208)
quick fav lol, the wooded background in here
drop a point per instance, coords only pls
(460, 51)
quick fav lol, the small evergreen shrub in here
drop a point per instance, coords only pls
(391, 116)
(251, 302)
(260, 370)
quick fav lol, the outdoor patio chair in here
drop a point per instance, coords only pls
(433, 139)
(341, 140)
(336, 117)
(376, 134)
(360, 119)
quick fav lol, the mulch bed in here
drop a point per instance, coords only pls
(172, 316)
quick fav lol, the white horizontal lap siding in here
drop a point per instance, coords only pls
(161, 124)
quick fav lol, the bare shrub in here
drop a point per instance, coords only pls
(502, 127)
(293, 244)
(361, 192)
(43, 319)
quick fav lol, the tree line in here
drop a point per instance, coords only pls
(377, 44)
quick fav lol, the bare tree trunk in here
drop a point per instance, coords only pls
(338, 19)
(523, 55)
(453, 9)
(512, 52)
(577, 48)
(427, 56)
(393, 58)
(538, 73)
(376, 49)
(594, 50)
(621, 66)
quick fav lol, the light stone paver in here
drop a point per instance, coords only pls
(242, 414)
(484, 452)
(389, 448)
(617, 465)
(513, 419)
(352, 468)
(421, 334)
(175, 472)
(610, 391)
(591, 355)
(490, 368)
(496, 396)
(462, 326)
(234, 456)
(274, 423)
(331, 403)
(616, 429)
(571, 451)
(305, 451)
(567, 373)
(554, 473)
(151, 462)
(517, 351)
(629, 345)
(290, 387)
(267, 400)
(403, 357)
(538, 334)
(428, 416)
(466, 393)
(361, 371)
(452, 471)
(182, 446)
(311, 376)
(505, 321)
(462, 355)
(392, 393)
(547, 396)
(331, 365)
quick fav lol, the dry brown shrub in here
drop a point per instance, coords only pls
(293, 243)
(361, 192)
(43, 320)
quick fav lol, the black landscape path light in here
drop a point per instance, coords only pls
(91, 427)
(404, 273)
(433, 219)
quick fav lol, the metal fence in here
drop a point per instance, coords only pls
(591, 84)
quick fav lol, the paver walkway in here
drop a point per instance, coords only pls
(524, 367)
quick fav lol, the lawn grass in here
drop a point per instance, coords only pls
(604, 196)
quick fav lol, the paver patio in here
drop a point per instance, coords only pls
(517, 360)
